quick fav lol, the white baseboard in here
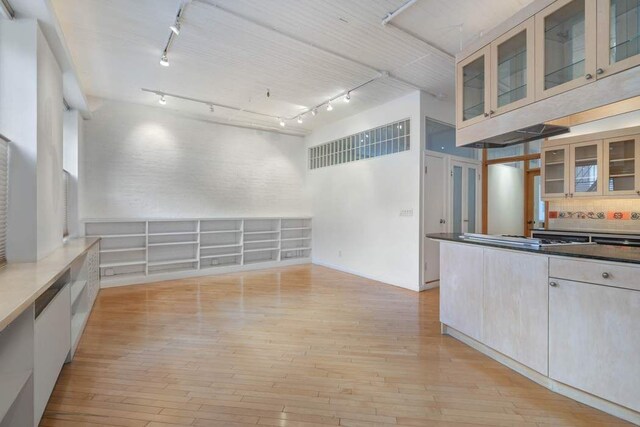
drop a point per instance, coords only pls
(361, 274)
(553, 385)
(212, 271)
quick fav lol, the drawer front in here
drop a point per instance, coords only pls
(601, 273)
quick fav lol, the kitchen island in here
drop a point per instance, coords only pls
(565, 316)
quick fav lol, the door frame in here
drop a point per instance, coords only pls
(528, 198)
(466, 164)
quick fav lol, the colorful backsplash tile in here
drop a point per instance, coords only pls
(611, 215)
(603, 214)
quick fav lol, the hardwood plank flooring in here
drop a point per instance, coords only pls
(302, 346)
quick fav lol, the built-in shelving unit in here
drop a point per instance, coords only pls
(139, 251)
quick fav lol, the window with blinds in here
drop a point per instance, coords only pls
(66, 176)
(4, 199)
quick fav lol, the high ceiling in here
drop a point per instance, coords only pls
(304, 51)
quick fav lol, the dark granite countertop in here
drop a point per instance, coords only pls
(598, 232)
(611, 253)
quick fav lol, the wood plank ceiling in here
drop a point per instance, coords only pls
(304, 51)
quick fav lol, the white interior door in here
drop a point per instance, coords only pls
(435, 208)
(465, 197)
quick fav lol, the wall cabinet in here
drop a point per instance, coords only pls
(618, 36)
(602, 164)
(472, 91)
(594, 339)
(555, 172)
(565, 46)
(622, 165)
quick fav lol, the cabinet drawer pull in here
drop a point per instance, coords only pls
(554, 284)
(588, 76)
(599, 71)
(605, 275)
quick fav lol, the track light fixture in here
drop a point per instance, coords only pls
(329, 106)
(211, 109)
(175, 28)
(347, 97)
(163, 100)
(164, 60)
(314, 111)
(299, 119)
(281, 122)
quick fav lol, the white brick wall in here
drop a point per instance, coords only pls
(141, 161)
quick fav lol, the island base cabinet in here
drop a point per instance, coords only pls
(594, 340)
(461, 288)
(516, 306)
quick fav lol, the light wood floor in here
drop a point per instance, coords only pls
(300, 347)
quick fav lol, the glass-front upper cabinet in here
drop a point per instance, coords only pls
(618, 36)
(621, 165)
(586, 169)
(472, 88)
(555, 173)
(565, 46)
(512, 80)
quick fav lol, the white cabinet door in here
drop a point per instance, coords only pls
(586, 169)
(621, 165)
(473, 96)
(516, 306)
(594, 340)
(461, 288)
(555, 172)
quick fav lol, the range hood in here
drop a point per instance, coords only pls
(530, 133)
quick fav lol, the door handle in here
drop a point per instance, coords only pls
(443, 221)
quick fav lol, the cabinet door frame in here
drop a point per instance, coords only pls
(572, 169)
(590, 23)
(603, 28)
(605, 167)
(486, 52)
(529, 27)
(543, 162)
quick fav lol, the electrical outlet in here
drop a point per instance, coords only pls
(406, 212)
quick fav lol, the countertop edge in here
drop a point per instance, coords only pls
(26, 301)
(544, 252)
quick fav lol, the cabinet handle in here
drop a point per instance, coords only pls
(486, 114)
(554, 284)
(638, 192)
(571, 195)
(491, 112)
(588, 76)
(605, 275)
(566, 195)
(599, 71)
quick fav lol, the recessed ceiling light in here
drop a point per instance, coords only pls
(164, 60)
(162, 100)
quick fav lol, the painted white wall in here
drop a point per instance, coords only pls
(505, 207)
(139, 161)
(50, 179)
(356, 206)
(31, 117)
(73, 134)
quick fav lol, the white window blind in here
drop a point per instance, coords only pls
(4, 199)
(67, 181)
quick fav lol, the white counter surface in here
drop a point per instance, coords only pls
(22, 283)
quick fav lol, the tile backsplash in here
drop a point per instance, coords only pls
(606, 215)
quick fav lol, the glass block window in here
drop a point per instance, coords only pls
(388, 139)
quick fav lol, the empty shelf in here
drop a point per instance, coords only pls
(256, 261)
(114, 236)
(294, 249)
(221, 246)
(173, 233)
(174, 261)
(108, 251)
(262, 232)
(261, 250)
(296, 238)
(296, 228)
(172, 243)
(260, 241)
(76, 290)
(219, 255)
(220, 231)
(12, 385)
(121, 264)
